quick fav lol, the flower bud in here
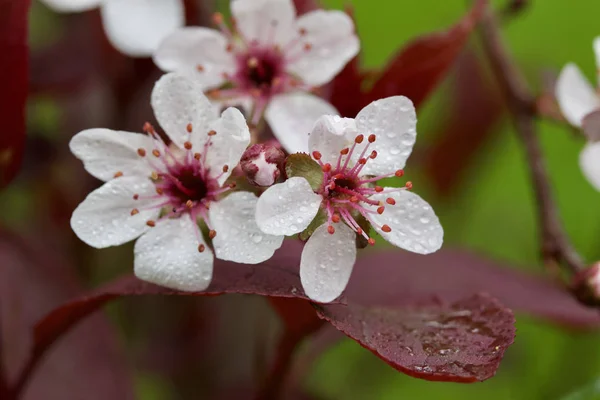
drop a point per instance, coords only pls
(586, 285)
(262, 164)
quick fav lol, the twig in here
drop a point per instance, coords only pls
(284, 354)
(556, 247)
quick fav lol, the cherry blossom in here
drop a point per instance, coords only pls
(268, 62)
(580, 105)
(134, 27)
(353, 154)
(159, 193)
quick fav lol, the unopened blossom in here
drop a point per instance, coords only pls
(580, 105)
(268, 61)
(160, 192)
(353, 155)
(262, 164)
(134, 27)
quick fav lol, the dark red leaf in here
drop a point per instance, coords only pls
(395, 277)
(418, 68)
(472, 110)
(14, 67)
(462, 342)
(297, 315)
(304, 6)
(34, 280)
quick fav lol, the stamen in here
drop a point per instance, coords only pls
(189, 128)
(197, 156)
(156, 153)
(187, 145)
(212, 133)
(409, 185)
(199, 68)
(316, 155)
(371, 241)
(373, 155)
(372, 138)
(151, 223)
(225, 168)
(252, 62)
(141, 152)
(390, 201)
(359, 139)
(135, 211)
(378, 189)
(136, 196)
(380, 210)
(386, 228)
(154, 176)
(189, 204)
(307, 46)
(335, 218)
(118, 174)
(344, 151)
(399, 173)
(302, 31)
(326, 167)
(331, 229)
(212, 234)
(201, 248)
(159, 190)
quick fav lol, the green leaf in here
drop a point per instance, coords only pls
(589, 392)
(300, 164)
(317, 221)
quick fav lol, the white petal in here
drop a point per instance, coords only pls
(104, 218)
(333, 43)
(575, 95)
(327, 261)
(292, 116)
(72, 5)
(393, 120)
(330, 135)
(597, 53)
(199, 52)
(267, 21)
(228, 145)
(415, 227)
(589, 161)
(168, 255)
(238, 237)
(177, 101)
(287, 208)
(136, 27)
(105, 152)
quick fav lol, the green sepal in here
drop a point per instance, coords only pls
(301, 164)
(318, 220)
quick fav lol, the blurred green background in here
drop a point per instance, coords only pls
(491, 212)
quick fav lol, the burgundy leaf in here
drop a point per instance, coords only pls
(417, 69)
(33, 280)
(395, 277)
(462, 342)
(304, 6)
(346, 94)
(297, 315)
(14, 66)
(473, 110)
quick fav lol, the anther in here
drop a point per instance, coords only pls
(232, 185)
(380, 210)
(151, 223)
(159, 190)
(189, 204)
(276, 81)
(373, 154)
(154, 176)
(359, 139)
(201, 248)
(197, 156)
(199, 68)
(252, 62)
(386, 228)
(212, 234)
(141, 152)
(359, 230)
(212, 133)
(316, 155)
(344, 151)
(335, 218)
(302, 31)
(229, 47)
(156, 153)
(135, 211)
(331, 229)
(371, 241)
(331, 186)
(148, 128)
(118, 174)
(354, 199)
(362, 161)
(399, 173)
(225, 168)
(307, 46)
(188, 128)
(378, 189)
(326, 167)
(136, 196)
(217, 18)
(409, 185)
(187, 145)
(372, 138)
(390, 201)
(225, 75)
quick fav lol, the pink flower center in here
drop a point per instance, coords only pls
(261, 70)
(182, 181)
(347, 194)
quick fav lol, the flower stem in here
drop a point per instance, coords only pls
(555, 246)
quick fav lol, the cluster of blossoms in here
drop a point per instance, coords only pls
(180, 199)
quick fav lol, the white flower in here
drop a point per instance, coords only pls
(269, 62)
(353, 154)
(159, 192)
(134, 27)
(580, 105)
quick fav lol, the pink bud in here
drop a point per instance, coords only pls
(586, 285)
(262, 164)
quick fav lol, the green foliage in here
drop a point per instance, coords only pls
(304, 166)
